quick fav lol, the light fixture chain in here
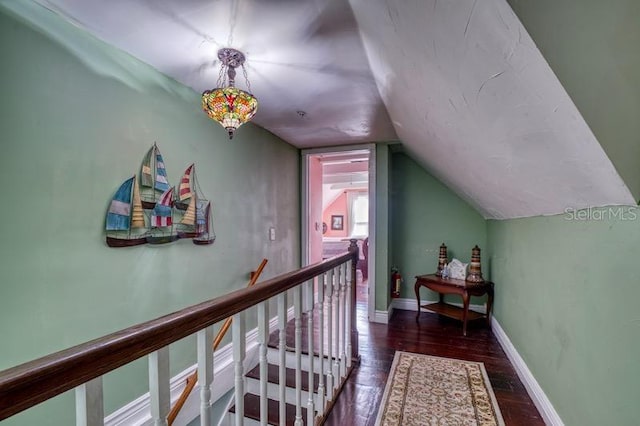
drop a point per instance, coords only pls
(222, 76)
(246, 78)
(233, 17)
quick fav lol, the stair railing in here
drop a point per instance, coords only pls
(329, 294)
(193, 378)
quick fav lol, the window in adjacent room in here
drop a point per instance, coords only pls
(358, 203)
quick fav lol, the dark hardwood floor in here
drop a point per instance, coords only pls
(360, 398)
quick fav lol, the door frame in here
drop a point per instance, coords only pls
(304, 199)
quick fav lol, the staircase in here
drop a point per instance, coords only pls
(273, 390)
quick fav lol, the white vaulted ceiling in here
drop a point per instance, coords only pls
(459, 82)
(472, 98)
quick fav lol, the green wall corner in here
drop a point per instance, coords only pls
(425, 213)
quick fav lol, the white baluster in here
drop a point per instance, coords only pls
(263, 339)
(282, 347)
(343, 319)
(159, 386)
(89, 403)
(336, 309)
(309, 305)
(205, 373)
(321, 389)
(349, 311)
(239, 353)
(328, 303)
(297, 314)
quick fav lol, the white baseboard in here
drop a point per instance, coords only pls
(382, 317)
(138, 411)
(542, 403)
(409, 304)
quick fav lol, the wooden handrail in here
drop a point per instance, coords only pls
(31, 383)
(193, 378)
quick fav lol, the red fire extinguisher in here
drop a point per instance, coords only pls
(396, 281)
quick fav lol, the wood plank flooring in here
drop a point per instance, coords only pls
(359, 401)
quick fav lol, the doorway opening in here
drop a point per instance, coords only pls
(338, 205)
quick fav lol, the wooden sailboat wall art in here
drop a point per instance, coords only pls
(159, 215)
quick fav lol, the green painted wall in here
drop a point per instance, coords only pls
(425, 213)
(567, 295)
(592, 46)
(76, 118)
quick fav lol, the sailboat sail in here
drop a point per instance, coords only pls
(184, 191)
(124, 214)
(137, 214)
(161, 216)
(146, 173)
(161, 183)
(119, 213)
(189, 217)
(202, 221)
(147, 178)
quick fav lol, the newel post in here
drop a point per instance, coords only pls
(353, 249)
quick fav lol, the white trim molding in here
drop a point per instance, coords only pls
(408, 304)
(382, 317)
(542, 403)
(138, 411)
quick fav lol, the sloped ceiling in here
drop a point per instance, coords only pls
(460, 83)
(472, 98)
(592, 47)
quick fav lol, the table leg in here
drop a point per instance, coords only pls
(489, 304)
(465, 302)
(417, 290)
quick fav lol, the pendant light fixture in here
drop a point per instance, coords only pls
(226, 104)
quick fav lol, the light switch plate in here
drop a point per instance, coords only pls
(272, 234)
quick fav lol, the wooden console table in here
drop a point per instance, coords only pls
(461, 287)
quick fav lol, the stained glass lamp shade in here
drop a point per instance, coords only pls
(228, 105)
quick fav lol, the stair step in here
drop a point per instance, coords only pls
(274, 337)
(273, 387)
(273, 376)
(273, 357)
(252, 410)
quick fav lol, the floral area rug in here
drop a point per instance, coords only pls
(429, 390)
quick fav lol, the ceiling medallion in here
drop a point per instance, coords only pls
(226, 104)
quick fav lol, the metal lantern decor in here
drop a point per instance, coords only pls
(475, 271)
(228, 105)
(442, 259)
